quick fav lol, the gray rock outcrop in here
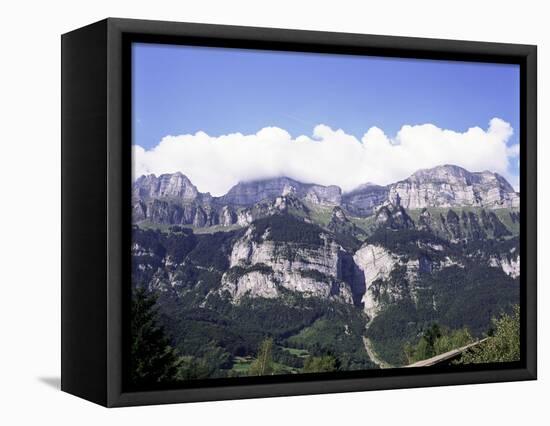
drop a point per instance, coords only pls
(453, 186)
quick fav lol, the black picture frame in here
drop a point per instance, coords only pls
(96, 173)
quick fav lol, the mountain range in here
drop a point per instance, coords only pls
(346, 274)
(173, 199)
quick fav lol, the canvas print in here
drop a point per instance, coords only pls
(301, 213)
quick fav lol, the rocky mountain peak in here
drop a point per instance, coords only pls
(365, 199)
(250, 193)
(453, 186)
(173, 199)
(338, 215)
(169, 185)
(444, 172)
(393, 216)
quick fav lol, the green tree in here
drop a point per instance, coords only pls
(436, 341)
(453, 340)
(321, 364)
(419, 351)
(212, 364)
(263, 364)
(502, 346)
(431, 335)
(424, 349)
(153, 360)
(191, 368)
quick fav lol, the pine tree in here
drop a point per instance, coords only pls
(153, 360)
(502, 346)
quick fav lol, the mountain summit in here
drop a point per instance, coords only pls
(175, 185)
(249, 193)
(453, 186)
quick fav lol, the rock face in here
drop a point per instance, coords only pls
(509, 264)
(262, 267)
(283, 254)
(393, 216)
(175, 185)
(227, 216)
(453, 186)
(390, 277)
(376, 263)
(167, 212)
(282, 204)
(173, 199)
(364, 200)
(250, 193)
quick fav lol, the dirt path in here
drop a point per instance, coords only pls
(373, 355)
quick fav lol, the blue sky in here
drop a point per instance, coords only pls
(182, 90)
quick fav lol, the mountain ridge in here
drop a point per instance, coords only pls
(172, 198)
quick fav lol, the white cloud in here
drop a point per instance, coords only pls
(513, 150)
(214, 164)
